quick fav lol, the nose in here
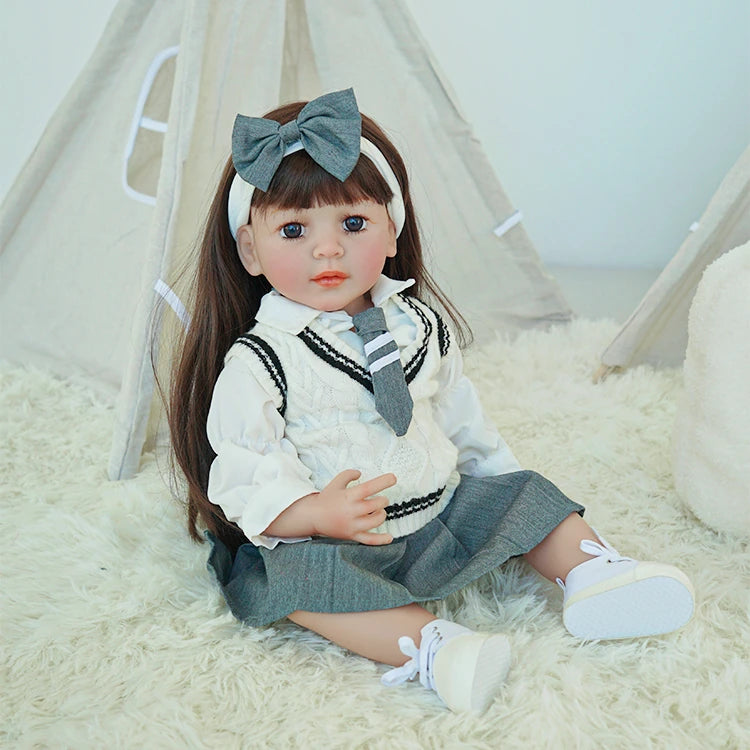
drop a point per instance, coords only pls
(328, 245)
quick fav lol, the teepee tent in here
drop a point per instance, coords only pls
(88, 234)
(657, 332)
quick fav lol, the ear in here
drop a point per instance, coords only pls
(391, 252)
(246, 250)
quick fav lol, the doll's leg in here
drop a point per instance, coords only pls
(606, 595)
(560, 551)
(372, 634)
(464, 668)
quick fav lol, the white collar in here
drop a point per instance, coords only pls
(292, 317)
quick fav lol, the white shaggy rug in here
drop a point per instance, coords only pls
(114, 635)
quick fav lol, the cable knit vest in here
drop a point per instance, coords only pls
(324, 392)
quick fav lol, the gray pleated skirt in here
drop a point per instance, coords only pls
(487, 522)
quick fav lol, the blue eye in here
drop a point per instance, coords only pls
(292, 231)
(354, 224)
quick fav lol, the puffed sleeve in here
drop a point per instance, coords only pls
(482, 451)
(256, 473)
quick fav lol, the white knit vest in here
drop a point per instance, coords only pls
(322, 392)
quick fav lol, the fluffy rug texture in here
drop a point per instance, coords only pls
(712, 435)
(114, 635)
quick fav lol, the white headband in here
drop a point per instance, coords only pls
(241, 192)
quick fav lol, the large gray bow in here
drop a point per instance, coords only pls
(328, 127)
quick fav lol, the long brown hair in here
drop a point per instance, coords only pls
(225, 299)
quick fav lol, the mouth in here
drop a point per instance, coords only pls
(330, 278)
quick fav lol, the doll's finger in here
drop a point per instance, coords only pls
(345, 477)
(368, 537)
(373, 518)
(375, 485)
(374, 504)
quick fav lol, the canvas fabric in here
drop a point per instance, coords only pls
(657, 331)
(73, 246)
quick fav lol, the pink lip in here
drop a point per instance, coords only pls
(330, 278)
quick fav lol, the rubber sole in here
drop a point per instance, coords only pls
(616, 609)
(493, 663)
(470, 669)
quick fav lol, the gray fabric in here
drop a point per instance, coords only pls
(392, 398)
(329, 129)
(488, 521)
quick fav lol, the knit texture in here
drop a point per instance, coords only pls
(332, 421)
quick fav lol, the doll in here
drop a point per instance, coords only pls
(335, 452)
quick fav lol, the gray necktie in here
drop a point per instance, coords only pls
(392, 398)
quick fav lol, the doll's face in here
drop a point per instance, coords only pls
(325, 257)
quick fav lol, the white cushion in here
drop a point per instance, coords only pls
(711, 441)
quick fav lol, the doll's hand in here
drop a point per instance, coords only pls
(344, 512)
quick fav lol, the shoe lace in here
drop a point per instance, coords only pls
(602, 548)
(407, 671)
(420, 660)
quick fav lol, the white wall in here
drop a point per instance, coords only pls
(610, 123)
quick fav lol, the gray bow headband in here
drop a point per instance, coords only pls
(327, 128)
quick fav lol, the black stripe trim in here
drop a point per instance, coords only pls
(444, 335)
(412, 368)
(335, 358)
(270, 361)
(413, 506)
(341, 362)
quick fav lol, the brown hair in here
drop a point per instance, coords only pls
(226, 298)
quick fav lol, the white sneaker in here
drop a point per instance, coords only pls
(611, 597)
(465, 669)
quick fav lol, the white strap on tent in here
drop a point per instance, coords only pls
(508, 224)
(156, 125)
(148, 123)
(168, 295)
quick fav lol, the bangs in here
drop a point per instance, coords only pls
(301, 183)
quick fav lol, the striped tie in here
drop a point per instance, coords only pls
(392, 398)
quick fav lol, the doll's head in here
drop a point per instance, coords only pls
(330, 209)
(356, 166)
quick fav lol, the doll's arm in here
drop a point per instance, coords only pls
(481, 449)
(256, 473)
(261, 485)
(339, 511)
